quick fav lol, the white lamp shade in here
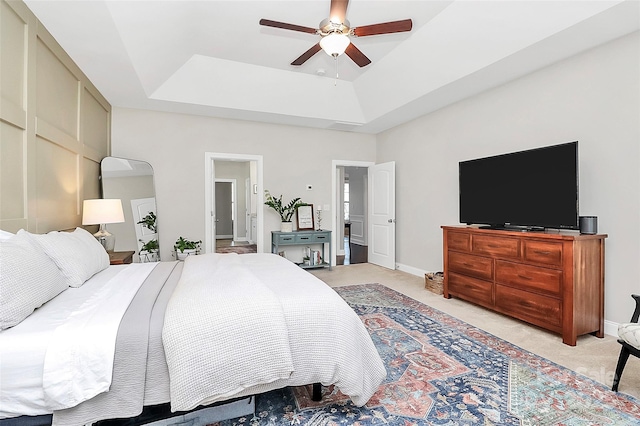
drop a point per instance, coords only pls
(334, 44)
(102, 211)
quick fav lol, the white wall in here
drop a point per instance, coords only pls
(175, 145)
(593, 97)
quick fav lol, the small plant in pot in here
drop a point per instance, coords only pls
(285, 211)
(186, 248)
(149, 251)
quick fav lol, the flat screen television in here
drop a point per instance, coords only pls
(531, 190)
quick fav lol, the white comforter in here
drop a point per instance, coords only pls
(240, 325)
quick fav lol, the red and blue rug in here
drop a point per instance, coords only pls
(443, 371)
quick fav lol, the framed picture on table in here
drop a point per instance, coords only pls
(305, 217)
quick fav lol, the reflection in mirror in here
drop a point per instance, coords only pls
(132, 182)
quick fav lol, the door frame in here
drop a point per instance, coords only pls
(334, 197)
(209, 207)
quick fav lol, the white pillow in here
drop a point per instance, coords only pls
(4, 235)
(29, 279)
(78, 254)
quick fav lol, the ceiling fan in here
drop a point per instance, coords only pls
(336, 32)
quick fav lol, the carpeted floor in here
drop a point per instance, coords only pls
(443, 371)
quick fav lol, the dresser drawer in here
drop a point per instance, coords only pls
(537, 309)
(473, 289)
(530, 278)
(321, 238)
(286, 238)
(495, 246)
(475, 266)
(546, 252)
(459, 241)
(304, 238)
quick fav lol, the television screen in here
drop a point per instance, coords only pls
(537, 188)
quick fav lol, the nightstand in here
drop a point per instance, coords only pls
(120, 257)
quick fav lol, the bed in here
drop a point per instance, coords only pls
(105, 341)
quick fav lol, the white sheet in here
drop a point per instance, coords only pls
(24, 348)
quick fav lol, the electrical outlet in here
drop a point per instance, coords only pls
(309, 187)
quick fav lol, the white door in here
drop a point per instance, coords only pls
(382, 215)
(224, 210)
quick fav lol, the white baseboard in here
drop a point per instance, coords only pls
(410, 270)
(611, 328)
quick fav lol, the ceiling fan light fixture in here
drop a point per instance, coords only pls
(334, 44)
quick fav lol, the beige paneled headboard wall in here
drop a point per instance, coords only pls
(54, 128)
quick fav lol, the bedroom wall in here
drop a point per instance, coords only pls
(593, 97)
(54, 128)
(175, 145)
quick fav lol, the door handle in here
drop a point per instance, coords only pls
(391, 220)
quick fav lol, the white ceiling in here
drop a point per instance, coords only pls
(212, 58)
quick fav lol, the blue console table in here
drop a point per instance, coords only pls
(303, 238)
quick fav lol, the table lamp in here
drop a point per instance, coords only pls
(100, 212)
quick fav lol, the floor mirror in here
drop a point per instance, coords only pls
(132, 182)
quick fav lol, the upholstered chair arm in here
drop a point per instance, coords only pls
(636, 312)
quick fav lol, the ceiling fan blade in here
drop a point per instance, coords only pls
(384, 28)
(306, 55)
(357, 56)
(285, 26)
(338, 11)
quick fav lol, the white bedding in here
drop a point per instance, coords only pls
(327, 341)
(56, 357)
(226, 327)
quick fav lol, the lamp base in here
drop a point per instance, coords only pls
(105, 238)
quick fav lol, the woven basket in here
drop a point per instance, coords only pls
(433, 281)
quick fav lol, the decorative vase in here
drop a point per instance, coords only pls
(286, 227)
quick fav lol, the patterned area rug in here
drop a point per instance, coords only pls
(442, 371)
(242, 249)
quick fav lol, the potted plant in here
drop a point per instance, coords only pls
(285, 211)
(149, 221)
(149, 251)
(186, 248)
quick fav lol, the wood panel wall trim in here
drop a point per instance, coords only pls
(75, 136)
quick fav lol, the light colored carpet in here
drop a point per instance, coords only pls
(593, 357)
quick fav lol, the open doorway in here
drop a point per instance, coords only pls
(233, 192)
(350, 211)
(354, 212)
(378, 227)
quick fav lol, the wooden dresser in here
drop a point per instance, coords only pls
(553, 280)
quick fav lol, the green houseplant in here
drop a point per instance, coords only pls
(149, 251)
(184, 247)
(285, 211)
(149, 221)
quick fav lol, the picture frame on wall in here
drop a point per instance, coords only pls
(305, 217)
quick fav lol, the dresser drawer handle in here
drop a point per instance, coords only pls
(524, 277)
(545, 253)
(468, 265)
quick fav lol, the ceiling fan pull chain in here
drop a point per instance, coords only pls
(335, 58)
